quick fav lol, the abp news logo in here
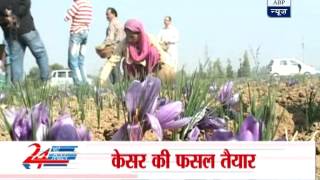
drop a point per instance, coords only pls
(279, 8)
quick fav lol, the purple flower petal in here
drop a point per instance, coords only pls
(40, 119)
(121, 134)
(249, 130)
(194, 134)
(133, 96)
(246, 136)
(176, 124)
(84, 134)
(169, 112)
(134, 132)
(150, 93)
(22, 126)
(63, 129)
(66, 133)
(40, 114)
(210, 122)
(225, 92)
(155, 126)
(220, 135)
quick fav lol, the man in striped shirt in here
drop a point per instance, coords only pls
(80, 16)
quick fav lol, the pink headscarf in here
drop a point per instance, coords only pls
(143, 50)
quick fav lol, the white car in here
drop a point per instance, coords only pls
(290, 66)
(63, 78)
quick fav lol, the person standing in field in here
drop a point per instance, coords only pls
(80, 16)
(114, 35)
(20, 32)
(168, 38)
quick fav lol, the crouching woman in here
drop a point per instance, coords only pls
(142, 54)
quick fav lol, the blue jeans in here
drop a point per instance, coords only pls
(17, 48)
(115, 74)
(7, 65)
(77, 45)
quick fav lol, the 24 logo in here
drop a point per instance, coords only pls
(51, 157)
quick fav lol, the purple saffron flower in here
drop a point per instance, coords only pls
(167, 117)
(151, 87)
(226, 96)
(250, 130)
(31, 125)
(142, 96)
(141, 99)
(64, 129)
(22, 126)
(147, 111)
(225, 92)
(28, 125)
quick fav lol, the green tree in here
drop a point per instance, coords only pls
(239, 73)
(56, 66)
(229, 70)
(201, 70)
(218, 69)
(245, 69)
(34, 72)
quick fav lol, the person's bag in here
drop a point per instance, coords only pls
(105, 51)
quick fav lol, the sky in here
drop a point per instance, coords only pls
(226, 28)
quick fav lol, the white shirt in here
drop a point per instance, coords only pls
(170, 35)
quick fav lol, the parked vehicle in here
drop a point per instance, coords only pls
(290, 66)
(63, 78)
